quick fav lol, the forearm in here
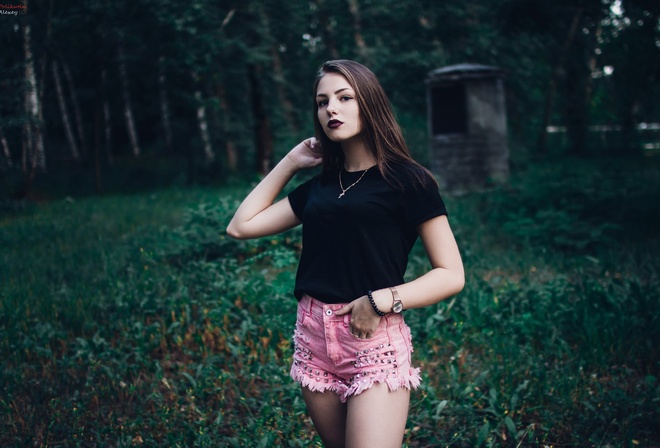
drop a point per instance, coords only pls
(436, 285)
(263, 195)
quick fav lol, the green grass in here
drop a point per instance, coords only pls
(133, 321)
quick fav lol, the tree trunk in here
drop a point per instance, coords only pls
(554, 80)
(35, 154)
(26, 149)
(354, 8)
(164, 104)
(39, 133)
(97, 140)
(203, 123)
(5, 149)
(230, 146)
(278, 72)
(631, 144)
(327, 31)
(280, 82)
(64, 114)
(263, 136)
(577, 109)
(107, 120)
(128, 106)
(82, 138)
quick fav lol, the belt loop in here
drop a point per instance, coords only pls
(308, 305)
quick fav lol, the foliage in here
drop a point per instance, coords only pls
(251, 64)
(133, 320)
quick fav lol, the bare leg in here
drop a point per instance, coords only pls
(377, 417)
(329, 416)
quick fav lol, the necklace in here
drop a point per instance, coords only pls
(344, 190)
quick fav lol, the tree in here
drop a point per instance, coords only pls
(128, 103)
(64, 113)
(34, 154)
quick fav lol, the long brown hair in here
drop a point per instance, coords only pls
(381, 132)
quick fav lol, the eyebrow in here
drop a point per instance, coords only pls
(340, 90)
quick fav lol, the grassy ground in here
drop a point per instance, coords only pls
(132, 320)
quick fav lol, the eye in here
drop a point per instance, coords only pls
(322, 103)
(345, 98)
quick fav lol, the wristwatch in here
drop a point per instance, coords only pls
(397, 304)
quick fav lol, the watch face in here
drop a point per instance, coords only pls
(397, 307)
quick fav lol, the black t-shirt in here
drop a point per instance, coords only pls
(361, 241)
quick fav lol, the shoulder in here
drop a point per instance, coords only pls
(409, 176)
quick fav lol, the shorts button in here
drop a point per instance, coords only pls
(328, 312)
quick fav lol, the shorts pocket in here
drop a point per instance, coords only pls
(379, 332)
(302, 316)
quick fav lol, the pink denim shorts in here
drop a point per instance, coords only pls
(328, 357)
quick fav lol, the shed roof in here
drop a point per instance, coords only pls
(463, 71)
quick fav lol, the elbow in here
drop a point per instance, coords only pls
(456, 282)
(234, 232)
(460, 282)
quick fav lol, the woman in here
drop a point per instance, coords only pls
(361, 217)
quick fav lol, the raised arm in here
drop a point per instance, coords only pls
(258, 215)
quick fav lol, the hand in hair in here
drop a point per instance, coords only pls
(307, 154)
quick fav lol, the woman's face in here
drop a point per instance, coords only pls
(337, 108)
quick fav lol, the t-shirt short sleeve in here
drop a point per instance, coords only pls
(298, 199)
(422, 203)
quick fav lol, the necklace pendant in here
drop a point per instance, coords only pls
(344, 190)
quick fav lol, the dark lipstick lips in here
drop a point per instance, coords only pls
(334, 124)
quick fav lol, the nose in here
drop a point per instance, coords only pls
(330, 108)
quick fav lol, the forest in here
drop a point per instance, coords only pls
(131, 130)
(98, 96)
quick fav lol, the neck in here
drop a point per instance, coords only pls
(356, 155)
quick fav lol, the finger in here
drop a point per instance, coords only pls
(360, 333)
(344, 310)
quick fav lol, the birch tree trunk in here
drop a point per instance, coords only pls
(39, 129)
(209, 155)
(164, 103)
(128, 106)
(5, 149)
(63, 112)
(82, 138)
(35, 154)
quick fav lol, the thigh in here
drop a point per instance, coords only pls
(377, 417)
(328, 415)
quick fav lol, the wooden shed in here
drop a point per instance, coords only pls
(467, 126)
